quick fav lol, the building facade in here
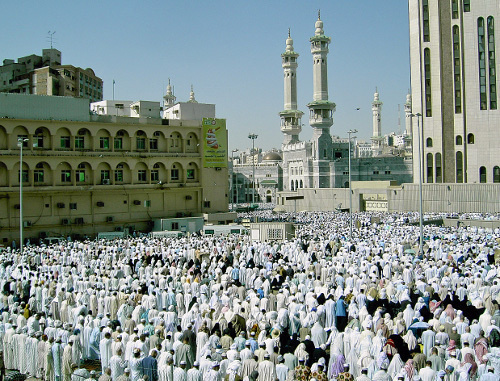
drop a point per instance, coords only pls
(454, 83)
(268, 177)
(45, 75)
(84, 173)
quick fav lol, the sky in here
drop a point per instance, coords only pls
(230, 52)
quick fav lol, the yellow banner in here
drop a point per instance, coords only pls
(214, 143)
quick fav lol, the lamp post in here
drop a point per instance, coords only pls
(350, 132)
(20, 143)
(232, 180)
(253, 137)
(420, 181)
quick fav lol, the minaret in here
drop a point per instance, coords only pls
(169, 97)
(321, 109)
(290, 117)
(407, 136)
(408, 114)
(191, 96)
(377, 138)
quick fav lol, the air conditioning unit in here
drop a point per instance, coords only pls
(189, 197)
(181, 185)
(27, 224)
(218, 168)
(156, 133)
(100, 204)
(81, 132)
(65, 221)
(118, 229)
(60, 205)
(105, 182)
(110, 219)
(137, 202)
(79, 221)
(17, 206)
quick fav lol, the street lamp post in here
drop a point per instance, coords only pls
(350, 132)
(253, 137)
(20, 143)
(232, 180)
(420, 181)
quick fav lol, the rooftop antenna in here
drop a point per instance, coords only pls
(51, 37)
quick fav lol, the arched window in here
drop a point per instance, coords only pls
(291, 185)
(301, 184)
(425, 14)
(429, 142)
(454, 9)
(470, 139)
(466, 5)
(430, 166)
(491, 60)
(457, 69)
(482, 174)
(496, 174)
(481, 47)
(439, 172)
(427, 76)
(458, 140)
(459, 167)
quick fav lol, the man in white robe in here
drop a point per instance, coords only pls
(266, 369)
(117, 365)
(105, 350)
(194, 374)
(67, 361)
(31, 355)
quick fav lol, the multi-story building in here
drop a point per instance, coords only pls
(85, 173)
(454, 81)
(44, 75)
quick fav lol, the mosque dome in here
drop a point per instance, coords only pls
(272, 156)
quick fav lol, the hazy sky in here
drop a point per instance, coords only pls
(230, 52)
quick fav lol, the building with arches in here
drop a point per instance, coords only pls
(454, 83)
(85, 173)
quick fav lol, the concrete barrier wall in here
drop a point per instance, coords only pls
(437, 198)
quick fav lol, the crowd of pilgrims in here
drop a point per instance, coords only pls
(321, 306)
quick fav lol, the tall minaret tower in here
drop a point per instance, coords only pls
(321, 109)
(290, 117)
(407, 136)
(408, 129)
(377, 139)
(169, 98)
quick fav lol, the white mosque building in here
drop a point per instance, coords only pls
(322, 161)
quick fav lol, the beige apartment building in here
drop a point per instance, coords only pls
(85, 173)
(45, 75)
(454, 82)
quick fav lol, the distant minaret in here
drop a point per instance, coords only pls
(191, 96)
(169, 97)
(407, 136)
(408, 128)
(290, 117)
(377, 125)
(321, 109)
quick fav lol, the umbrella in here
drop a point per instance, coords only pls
(419, 325)
(409, 251)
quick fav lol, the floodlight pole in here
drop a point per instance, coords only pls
(350, 185)
(253, 137)
(20, 143)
